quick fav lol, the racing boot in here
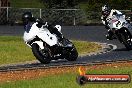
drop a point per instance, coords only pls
(110, 35)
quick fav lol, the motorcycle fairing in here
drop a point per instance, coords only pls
(117, 22)
(43, 33)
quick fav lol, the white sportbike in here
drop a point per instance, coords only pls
(121, 29)
(46, 46)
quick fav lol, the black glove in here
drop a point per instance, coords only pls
(114, 13)
(40, 22)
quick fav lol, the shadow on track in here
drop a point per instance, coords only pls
(122, 49)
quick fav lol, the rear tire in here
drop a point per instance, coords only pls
(44, 57)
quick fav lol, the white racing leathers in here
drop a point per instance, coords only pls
(42, 33)
(46, 46)
(112, 13)
(117, 24)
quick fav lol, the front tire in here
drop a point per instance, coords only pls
(43, 56)
(72, 55)
(126, 40)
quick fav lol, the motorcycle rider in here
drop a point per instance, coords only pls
(107, 15)
(28, 20)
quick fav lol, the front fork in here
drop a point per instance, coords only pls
(126, 34)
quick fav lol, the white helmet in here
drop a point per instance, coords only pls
(106, 10)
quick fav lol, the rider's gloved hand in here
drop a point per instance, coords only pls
(40, 22)
(115, 13)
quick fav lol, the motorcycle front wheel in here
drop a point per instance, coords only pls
(43, 55)
(72, 55)
(125, 40)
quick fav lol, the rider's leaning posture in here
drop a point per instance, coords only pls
(29, 20)
(107, 15)
(47, 42)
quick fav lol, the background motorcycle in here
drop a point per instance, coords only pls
(46, 46)
(120, 28)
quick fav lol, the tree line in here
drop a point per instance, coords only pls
(90, 4)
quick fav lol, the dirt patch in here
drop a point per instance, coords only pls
(36, 73)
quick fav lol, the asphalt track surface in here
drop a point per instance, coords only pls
(86, 33)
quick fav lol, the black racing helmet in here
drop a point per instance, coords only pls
(27, 16)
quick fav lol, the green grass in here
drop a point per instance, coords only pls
(84, 47)
(14, 50)
(68, 80)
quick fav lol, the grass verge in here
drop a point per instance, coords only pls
(13, 49)
(68, 79)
